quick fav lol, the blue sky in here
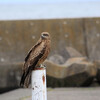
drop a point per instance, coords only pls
(22, 9)
(40, 1)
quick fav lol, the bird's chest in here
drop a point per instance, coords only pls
(45, 54)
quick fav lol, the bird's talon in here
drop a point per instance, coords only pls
(42, 66)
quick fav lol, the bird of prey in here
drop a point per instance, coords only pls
(36, 56)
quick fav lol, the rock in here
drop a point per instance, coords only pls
(75, 60)
(62, 58)
(75, 72)
(58, 59)
(73, 52)
(97, 64)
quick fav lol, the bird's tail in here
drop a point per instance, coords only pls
(22, 79)
(25, 79)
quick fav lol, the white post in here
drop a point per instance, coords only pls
(39, 91)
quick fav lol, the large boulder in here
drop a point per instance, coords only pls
(73, 52)
(61, 58)
(58, 59)
(75, 72)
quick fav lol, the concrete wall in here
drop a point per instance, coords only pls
(17, 37)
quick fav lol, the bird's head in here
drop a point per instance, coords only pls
(45, 35)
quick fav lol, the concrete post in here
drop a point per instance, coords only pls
(39, 91)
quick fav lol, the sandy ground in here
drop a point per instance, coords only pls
(56, 94)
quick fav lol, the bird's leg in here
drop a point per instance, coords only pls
(42, 66)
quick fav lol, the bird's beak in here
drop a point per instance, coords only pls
(42, 36)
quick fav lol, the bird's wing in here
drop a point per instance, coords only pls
(28, 55)
(34, 55)
(32, 61)
(38, 43)
(37, 55)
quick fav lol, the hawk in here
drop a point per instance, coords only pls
(36, 56)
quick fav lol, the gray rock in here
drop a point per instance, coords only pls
(73, 52)
(58, 59)
(62, 57)
(75, 72)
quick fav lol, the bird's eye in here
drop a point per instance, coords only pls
(45, 34)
